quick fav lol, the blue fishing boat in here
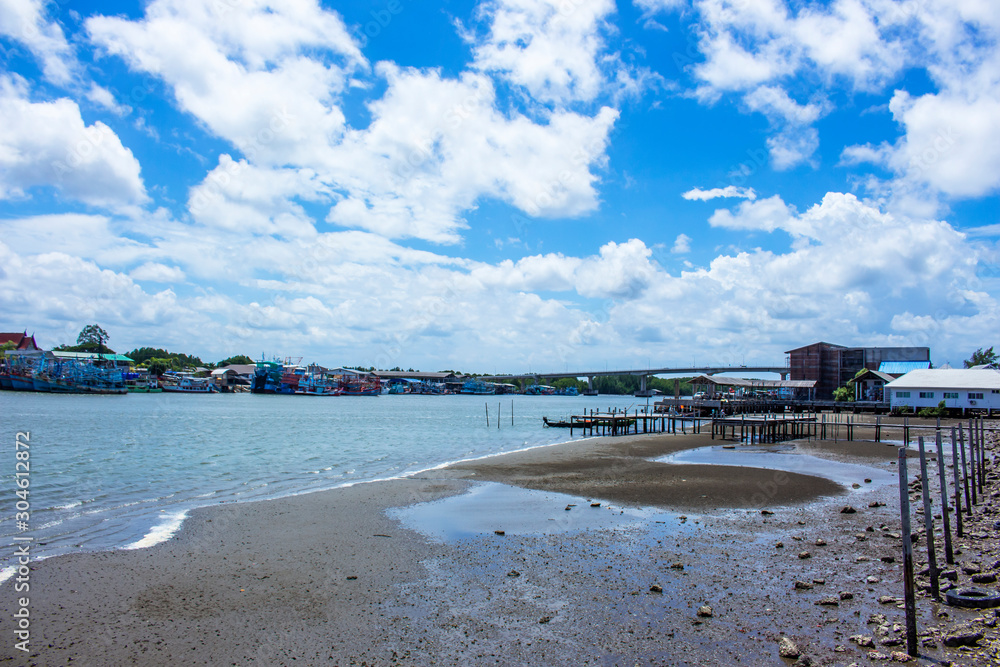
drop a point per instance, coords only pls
(478, 387)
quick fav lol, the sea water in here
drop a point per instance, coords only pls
(112, 472)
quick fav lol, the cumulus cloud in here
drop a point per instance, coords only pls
(550, 47)
(48, 144)
(760, 50)
(682, 244)
(157, 273)
(258, 52)
(698, 194)
(25, 22)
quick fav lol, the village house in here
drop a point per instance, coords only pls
(962, 389)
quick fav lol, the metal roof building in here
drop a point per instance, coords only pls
(959, 388)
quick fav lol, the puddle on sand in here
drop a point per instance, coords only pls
(490, 506)
(779, 457)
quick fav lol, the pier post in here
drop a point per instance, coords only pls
(949, 553)
(965, 472)
(958, 487)
(909, 595)
(925, 488)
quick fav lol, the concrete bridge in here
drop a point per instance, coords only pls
(642, 373)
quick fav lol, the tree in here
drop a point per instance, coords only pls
(982, 357)
(92, 334)
(238, 359)
(92, 338)
(157, 368)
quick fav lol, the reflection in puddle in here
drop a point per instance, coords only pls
(779, 457)
(489, 506)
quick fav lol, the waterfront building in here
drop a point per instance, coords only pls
(960, 389)
(833, 366)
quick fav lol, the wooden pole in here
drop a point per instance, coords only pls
(910, 600)
(972, 464)
(498, 416)
(965, 471)
(958, 488)
(487, 415)
(982, 455)
(949, 554)
(925, 487)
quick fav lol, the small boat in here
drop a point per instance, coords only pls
(585, 423)
(187, 384)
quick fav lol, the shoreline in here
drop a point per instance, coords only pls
(328, 574)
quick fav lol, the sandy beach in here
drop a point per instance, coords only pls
(636, 562)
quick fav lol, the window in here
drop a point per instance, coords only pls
(902, 394)
(996, 391)
(927, 394)
(976, 394)
(951, 394)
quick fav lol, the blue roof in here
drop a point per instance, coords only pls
(902, 367)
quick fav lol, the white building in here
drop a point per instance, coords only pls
(959, 388)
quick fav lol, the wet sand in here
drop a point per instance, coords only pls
(331, 578)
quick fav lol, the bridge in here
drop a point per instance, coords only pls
(642, 373)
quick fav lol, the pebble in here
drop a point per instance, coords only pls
(899, 656)
(863, 640)
(963, 637)
(887, 599)
(805, 554)
(830, 600)
(803, 585)
(766, 512)
(846, 595)
(499, 532)
(545, 619)
(986, 578)
(705, 611)
(677, 566)
(872, 579)
(788, 649)
(971, 569)
(779, 545)
(875, 655)
(655, 588)
(513, 573)
(820, 542)
(848, 510)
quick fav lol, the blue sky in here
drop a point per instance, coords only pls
(503, 185)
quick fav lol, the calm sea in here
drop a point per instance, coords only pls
(110, 472)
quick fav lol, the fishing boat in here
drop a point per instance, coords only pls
(184, 383)
(316, 385)
(359, 385)
(141, 383)
(540, 390)
(478, 387)
(266, 378)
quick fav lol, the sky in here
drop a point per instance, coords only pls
(504, 185)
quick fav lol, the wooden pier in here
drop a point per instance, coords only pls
(625, 423)
(765, 428)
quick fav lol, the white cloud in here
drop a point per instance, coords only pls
(550, 47)
(25, 21)
(728, 191)
(157, 273)
(765, 215)
(682, 244)
(48, 144)
(285, 63)
(435, 145)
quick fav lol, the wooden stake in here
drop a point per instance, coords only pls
(910, 599)
(949, 554)
(958, 487)
(487, 415)
(928, 521)
(972, 463)
(965, 471)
